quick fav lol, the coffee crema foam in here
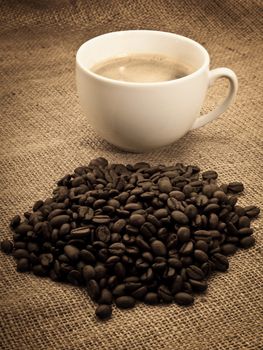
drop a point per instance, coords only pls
(142, 68)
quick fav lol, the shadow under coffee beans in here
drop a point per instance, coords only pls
(132, 233)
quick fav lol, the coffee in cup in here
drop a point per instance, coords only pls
(142, 68)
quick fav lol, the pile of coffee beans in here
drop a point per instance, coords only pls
(133, 233)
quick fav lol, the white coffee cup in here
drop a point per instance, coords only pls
(141, 116)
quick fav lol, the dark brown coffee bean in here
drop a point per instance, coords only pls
(39, 270)
(139, 293)
(158, 248)
(117, 249)
(195, 272)
(228, 249)
(245, 231)
(201, 245)
(15, 221)
(151, 298)
(93, 289)
(71, 252)
(137, 220)
(46, 259)
(103, 311)
(180, 196)
(235, 187)
(21, 253)
(187, 248)
(209, 174)
(59, 220)
(199, 286)
(175, 263)
(179, 217)
(125, 302)
(220, 261)
(243, 221)
(133, 206)
(177, 284)
(164, 294)
(88, 273)
(119, 225)
(105, 297)
(23, 265)
(100, 271)
(103, 233)
(142, 244)
(200, 255)
(251, 211)
(6, 246)
(120, 270)
(101, 219)
(183, 298)
(80, 232)
(183, 234)
(247, 242)
(160, 213)
(23, 228)
(165, 185)
(191, 211)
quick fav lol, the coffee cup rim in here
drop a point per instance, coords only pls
(142, 84)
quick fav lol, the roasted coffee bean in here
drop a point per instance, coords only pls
(105, 297)
(251, 211)
(164, 185)
(187, 248)
(59, 220)
(195, 272)
(165, 294)
(199, 286)
(72, 252)
(183, 298)
(151, 298)
(160, 213)
(100, 271)
(125, 302)
(21, 253)
(103, 233)
(139, 293)
(158, 248)
(119, 225)
(245, 231)
(200, 255)
(228, 249)
(93, 289)
(117, 249)
(184, 234)
(220, 261)
(209, 174)
(7, 246)
(201, 245)
(191, 211)
(80, 232)
(103, 311)
(137, 220)
(235, 187)
(179, 217)
(23, 228)
(247, 242)
(88, 272)
(243, 221)
(23, 265)
(15, 221)
(120, 270)
(101, 219)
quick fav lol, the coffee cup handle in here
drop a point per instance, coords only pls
(213, 76)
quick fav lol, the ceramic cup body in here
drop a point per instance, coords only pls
(142, 116)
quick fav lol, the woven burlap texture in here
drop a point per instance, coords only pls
(45, 135)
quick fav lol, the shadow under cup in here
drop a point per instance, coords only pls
(141, 116)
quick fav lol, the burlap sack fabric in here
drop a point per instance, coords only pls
(44, 135)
